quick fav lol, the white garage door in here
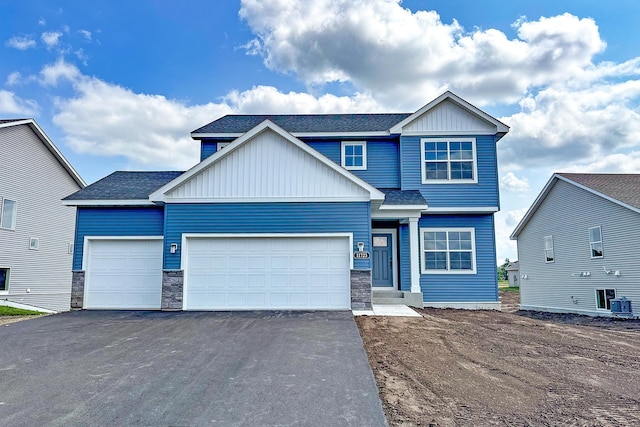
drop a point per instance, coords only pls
(123, 274)
(287, 273)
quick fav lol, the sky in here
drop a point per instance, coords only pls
(119, 85)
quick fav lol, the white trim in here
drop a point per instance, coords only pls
(497, 305)
(51, 146)
(414, 253)
(394, 255)
(8, 303)
(198, 136)
(395, 214)
(131, 202)
(423, 269)
(343, 156)
(483, 209)
(449, 180)
(501, 128)
(403, 207)
(448, 132)
(159, 195)
(15, 213)
(264, 199)
(601, 241)
(221, 145)
(34, 244)
(184, 265)
(552, 249)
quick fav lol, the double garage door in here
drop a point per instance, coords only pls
(224, 273)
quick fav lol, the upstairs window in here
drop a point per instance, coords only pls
(448, 160)
(595, 242)
(449, 251)
(4, 279)
(354, 155)
(8, 214)
(549, 255)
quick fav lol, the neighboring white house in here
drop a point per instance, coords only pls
(513, 274)
(36, 230)
(578, 245)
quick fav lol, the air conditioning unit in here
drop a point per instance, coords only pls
(621, 307)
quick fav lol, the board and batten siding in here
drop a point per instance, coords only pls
(246, 218)
(32, 176)
(383, 160)
(267, 166)
(479, 287)
(567, 213)
(448, 117)
(115, 221)
(484, 193)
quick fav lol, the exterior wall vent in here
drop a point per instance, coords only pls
(621, 307)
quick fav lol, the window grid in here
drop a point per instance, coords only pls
(448, 251)
(448, 160)
(354, 155)
(595, 242)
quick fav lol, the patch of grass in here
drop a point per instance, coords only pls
(510, 289)
(12, 311)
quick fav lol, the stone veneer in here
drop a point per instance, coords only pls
(77, 289)
(360, 289)
(172, 286)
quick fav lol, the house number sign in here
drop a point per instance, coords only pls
(361, 255)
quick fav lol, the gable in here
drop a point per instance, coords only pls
(449, 117)
(267, 165)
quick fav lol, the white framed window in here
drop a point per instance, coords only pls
(448, 160)
(354, 155)
(604, 297)
(549, 255)
(448, 250)
(595, 242)
(221, 145)
(4, 279)
(34, 243)
(8, 210)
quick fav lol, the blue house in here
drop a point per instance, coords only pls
(302, 212)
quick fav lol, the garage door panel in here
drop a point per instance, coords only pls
(268, 273)
(124, 274)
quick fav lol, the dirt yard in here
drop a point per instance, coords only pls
(477, 368)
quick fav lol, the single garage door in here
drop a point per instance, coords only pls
(124, 274)
(270, 273)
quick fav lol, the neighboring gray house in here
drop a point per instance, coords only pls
(578, 245)
(513, 274)
(36, 230)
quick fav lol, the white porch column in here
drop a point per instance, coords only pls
(414, 251)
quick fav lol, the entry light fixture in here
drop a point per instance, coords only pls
(174, 248)
(360, 246)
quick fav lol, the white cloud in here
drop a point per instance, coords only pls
(505, 223)
(10, 104)
(86, 34)
(42, 21)
(399, 55)
(21, 42)
(51, 74)
(511, 182)
(51, 38)
(13, 78)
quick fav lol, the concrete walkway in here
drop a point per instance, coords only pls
(397, 310)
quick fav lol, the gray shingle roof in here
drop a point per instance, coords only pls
(622, 187)
(125, 186)
(3, 121)
(298, 123)
(403, 197)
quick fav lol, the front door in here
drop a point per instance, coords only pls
(383, 260)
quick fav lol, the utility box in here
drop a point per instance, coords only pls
(621, 307)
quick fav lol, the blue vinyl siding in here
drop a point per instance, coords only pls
(115, 221)
(484, 193)
(479, 287)
(383, 160)
(207, 148)
(348, 217)
(405, 258)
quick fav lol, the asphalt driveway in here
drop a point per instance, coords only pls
(187, 369)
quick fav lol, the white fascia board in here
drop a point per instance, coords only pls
(159, 195)
(469, 210)
(501, 128)
(298, 134)
(140, 202)
(403, 207)
(266, 200)
(448, 133)
(396, 214)
(50, 146)
(534, 207)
